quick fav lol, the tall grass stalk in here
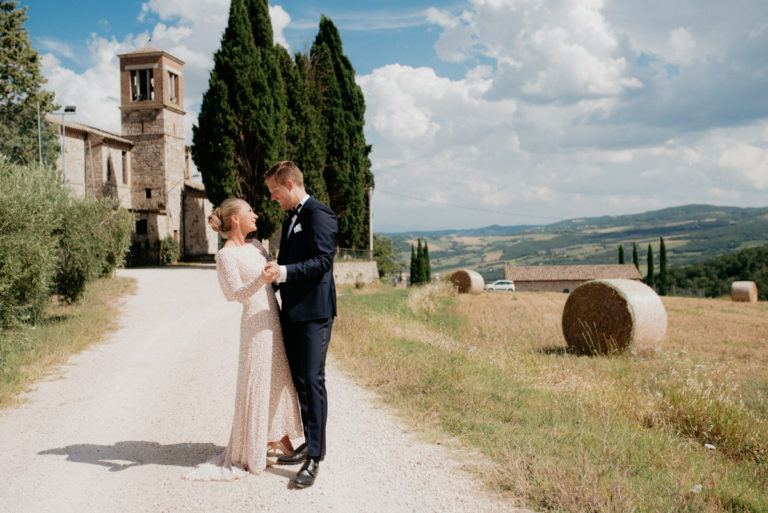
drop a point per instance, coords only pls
(564, 432)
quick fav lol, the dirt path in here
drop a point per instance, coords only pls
(117, 427)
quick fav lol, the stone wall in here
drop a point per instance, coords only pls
(349, 273)
(118, 185)
(75, 152)
(199, 238)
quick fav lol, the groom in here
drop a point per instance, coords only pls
(308, 292)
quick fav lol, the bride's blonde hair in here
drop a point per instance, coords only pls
(221, 217)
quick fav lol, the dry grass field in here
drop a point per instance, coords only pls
(678, 427)
(27, 353)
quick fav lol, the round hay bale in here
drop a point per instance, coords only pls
(610, 316)
(467, 281)
(745, 291)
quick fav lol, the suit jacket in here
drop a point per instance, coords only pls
(309, 292)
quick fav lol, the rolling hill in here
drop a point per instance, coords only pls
(692, 233)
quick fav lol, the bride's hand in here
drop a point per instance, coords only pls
(271, 272)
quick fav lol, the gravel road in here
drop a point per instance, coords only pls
(117, 427)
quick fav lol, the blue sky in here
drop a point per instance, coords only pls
(488, 111)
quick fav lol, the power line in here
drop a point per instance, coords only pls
(456, 205)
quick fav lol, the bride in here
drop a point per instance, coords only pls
(266, 406)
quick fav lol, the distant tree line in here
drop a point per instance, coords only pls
(421, 269)
(714, 277)
(711, 278)
(264, 105)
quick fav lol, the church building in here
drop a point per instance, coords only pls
(147, 166)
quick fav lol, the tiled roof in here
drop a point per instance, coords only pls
(190, 184)
(71, 125)
(570, 272)
(146, 49)
(149, 50)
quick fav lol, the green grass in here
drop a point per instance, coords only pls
(29, 352)
(559, 431)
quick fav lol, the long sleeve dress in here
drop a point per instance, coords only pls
(266, 406)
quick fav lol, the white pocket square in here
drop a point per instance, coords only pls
(297, 228)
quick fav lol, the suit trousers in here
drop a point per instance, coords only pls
(306, 345)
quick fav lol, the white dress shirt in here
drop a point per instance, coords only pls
(283, 269)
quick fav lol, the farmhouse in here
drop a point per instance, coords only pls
(147, 166)
(564, 278)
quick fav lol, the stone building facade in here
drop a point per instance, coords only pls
(147, 166)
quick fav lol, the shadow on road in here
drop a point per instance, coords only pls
(123, 455)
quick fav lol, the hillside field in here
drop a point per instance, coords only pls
(692, 233)
(678, 427)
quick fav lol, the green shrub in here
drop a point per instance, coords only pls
(169, 250)
(117, 225)
(30, 210)
(93, 238)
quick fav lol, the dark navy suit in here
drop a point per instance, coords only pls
(308, 308)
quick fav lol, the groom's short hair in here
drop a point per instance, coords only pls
(285, 170)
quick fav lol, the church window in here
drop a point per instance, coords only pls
(148, 192)
(141, 227)
(142, 85)
(173, 87)
(125, 167)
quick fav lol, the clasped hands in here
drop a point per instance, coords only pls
(271, 272)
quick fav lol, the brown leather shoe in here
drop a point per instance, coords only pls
(306, 476)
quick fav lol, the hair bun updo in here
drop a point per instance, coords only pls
(215, 221)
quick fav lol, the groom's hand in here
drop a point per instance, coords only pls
(271, 272)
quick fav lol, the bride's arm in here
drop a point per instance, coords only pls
(229, 278)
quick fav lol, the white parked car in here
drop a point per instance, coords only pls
(501, 285)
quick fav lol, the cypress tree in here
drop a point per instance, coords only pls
(303, 137)
(21, 91)
(342, 109)
(426, 264)
(413, 266)
(621, 253)
(663, 271)
(241, 126)
(650, 280)
(270, 118)
(420, 262)
(635, 258)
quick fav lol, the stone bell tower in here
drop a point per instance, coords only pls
(152, 105)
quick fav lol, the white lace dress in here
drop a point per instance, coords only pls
(266, 405)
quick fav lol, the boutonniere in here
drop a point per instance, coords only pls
(297, 228)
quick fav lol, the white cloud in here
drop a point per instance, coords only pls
(682, 47)
(442, 17)
(95, 92)
(280, 20)
(60, 47)
(550, 51)
(748, 159)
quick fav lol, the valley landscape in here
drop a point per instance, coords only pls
(692, 234)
